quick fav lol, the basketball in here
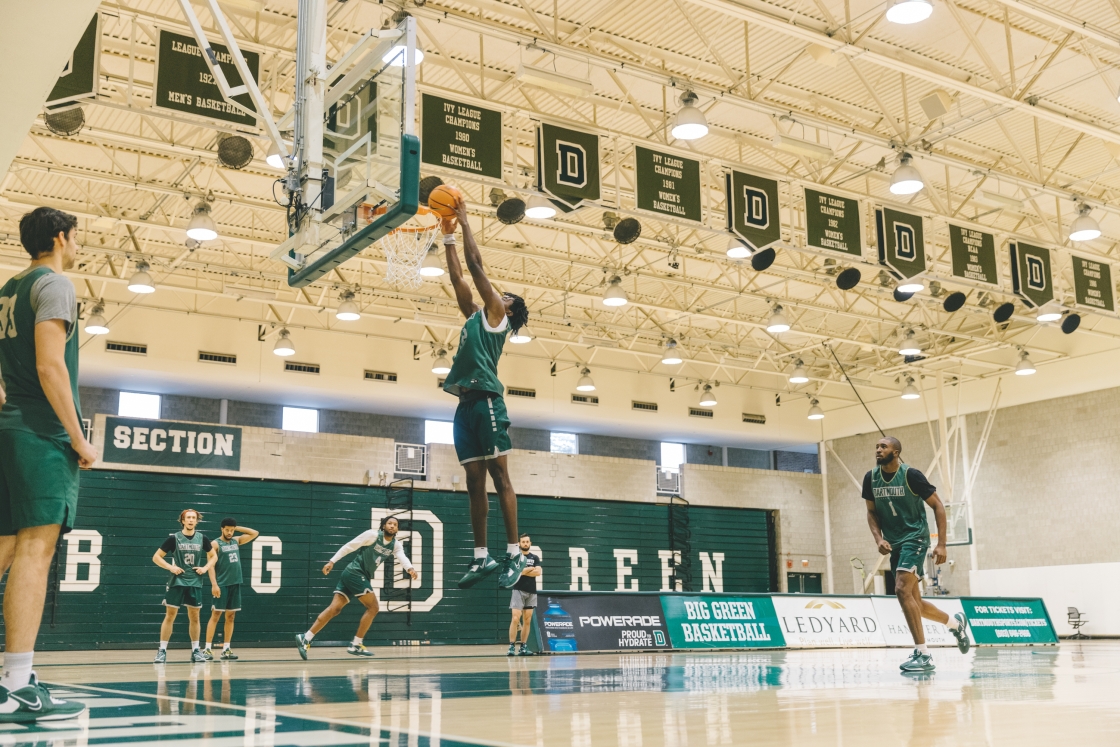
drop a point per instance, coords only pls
(443, 200)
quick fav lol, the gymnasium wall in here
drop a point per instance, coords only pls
(1044, 495)
(111, 591)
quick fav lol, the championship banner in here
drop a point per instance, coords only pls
(1092, 283)
(601, 622)
(897, 632)
(167, 443)
(461, 136)
(79, 76)
(1008, 621)
(832, 223)
(699, 621)
(753, 212)
(1031, 278)
(902, 243)
(828, 622)
(567, 165)
(667, 184)
(184, 83)
(974, 255)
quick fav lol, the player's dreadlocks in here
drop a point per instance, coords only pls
(519, 312)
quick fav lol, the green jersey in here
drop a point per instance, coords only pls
(372, 550)
(901, 511)
(228, 568)
(188, 553)
(27, 408)
(476, 361)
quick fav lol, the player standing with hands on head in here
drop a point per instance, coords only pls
(481, 425)
(42, 447)
(897, 496)
(187, 548)
(226, 579)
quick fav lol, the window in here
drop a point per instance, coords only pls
(301, 419)
(438, 432)
(672, 457)
(133, 405)
(565, 443)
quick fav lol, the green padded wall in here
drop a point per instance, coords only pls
(135, 511)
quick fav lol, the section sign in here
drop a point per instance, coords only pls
(184, 82)
(832, 223)
(828, 622)
(1008, 621)
(1092, 283)
(722, 622)
(1031, 277)
(461, 136)
(667, 184)
(974, 255)
(166, 443)
(601, 622)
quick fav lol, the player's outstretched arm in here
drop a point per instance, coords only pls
(246, 535)
(491, 299)
(404, 561)
(362, 540)
(463, 295)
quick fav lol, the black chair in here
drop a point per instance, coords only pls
(1076, 620)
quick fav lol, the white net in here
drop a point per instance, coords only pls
(405, 250)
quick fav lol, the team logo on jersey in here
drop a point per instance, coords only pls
(571, 164)
(7, 316)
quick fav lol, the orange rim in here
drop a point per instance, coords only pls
(421, 210)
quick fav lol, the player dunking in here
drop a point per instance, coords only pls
(373, 547)
(895, 493)
(480, 431)
(226, 579)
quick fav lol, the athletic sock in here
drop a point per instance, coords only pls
(163, 645)
(208, 646)
(512, 549)
(922, 649)
(308, 636)
(17, 670)
(225, 646)
(194, 645)
(480, 552)
(953, 624)
(356, 642)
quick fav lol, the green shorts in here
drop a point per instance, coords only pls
(183, 596)
(481, 427)
(353, 584)
(910, 556)
(230, 600)
(38, 482)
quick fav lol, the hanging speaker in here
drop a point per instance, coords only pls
(762, 260)
(1003, 312)
(1071, 323)
(848, 279)
(902, 297)
(511, 211)
(235, 152)
(953, 302)
(627, 231)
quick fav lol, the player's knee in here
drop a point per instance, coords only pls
(230, 615)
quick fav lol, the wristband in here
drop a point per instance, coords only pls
(448, 238)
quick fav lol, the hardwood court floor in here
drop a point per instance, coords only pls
(451, 696)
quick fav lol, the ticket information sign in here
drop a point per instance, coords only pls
(698, 621)
(1008, 621)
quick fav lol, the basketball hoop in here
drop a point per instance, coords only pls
(405, 247)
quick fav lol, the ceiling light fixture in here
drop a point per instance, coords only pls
(690, 123)
(553, 81)
(910, 345)
(520, 337)
(708, 397)
(815, 411)
(1048, 312)
(799, 375)
(909, 391)
(96, 324)
(906, 12)
(141, 281)
(803, 148)
(431, 267)
(539, 208)
(347, 308)
(614, 295)
(911, 286)
(201, 226)
(906, 179)
(284, 346)
(778, 322)
(736, 249)
(441, 365)
(671, 357)
(274, 159)
(1084, 226)
(585, 383)
(1025, 366)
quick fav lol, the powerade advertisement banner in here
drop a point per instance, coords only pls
(601, 622)
(722, 622)
(1005, 622)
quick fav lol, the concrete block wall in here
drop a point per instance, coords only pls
(797, 498)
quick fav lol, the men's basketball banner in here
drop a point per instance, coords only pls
(461, 136)
(1092, 283)
(902, 243)
(832, 223)
(567, 165)
(184, 82)
(974, 255)
(703, 621)
(667, 184)
(167, 443)
(1003, 622)
(79, 76)
(753, 212)
(1031, 278)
